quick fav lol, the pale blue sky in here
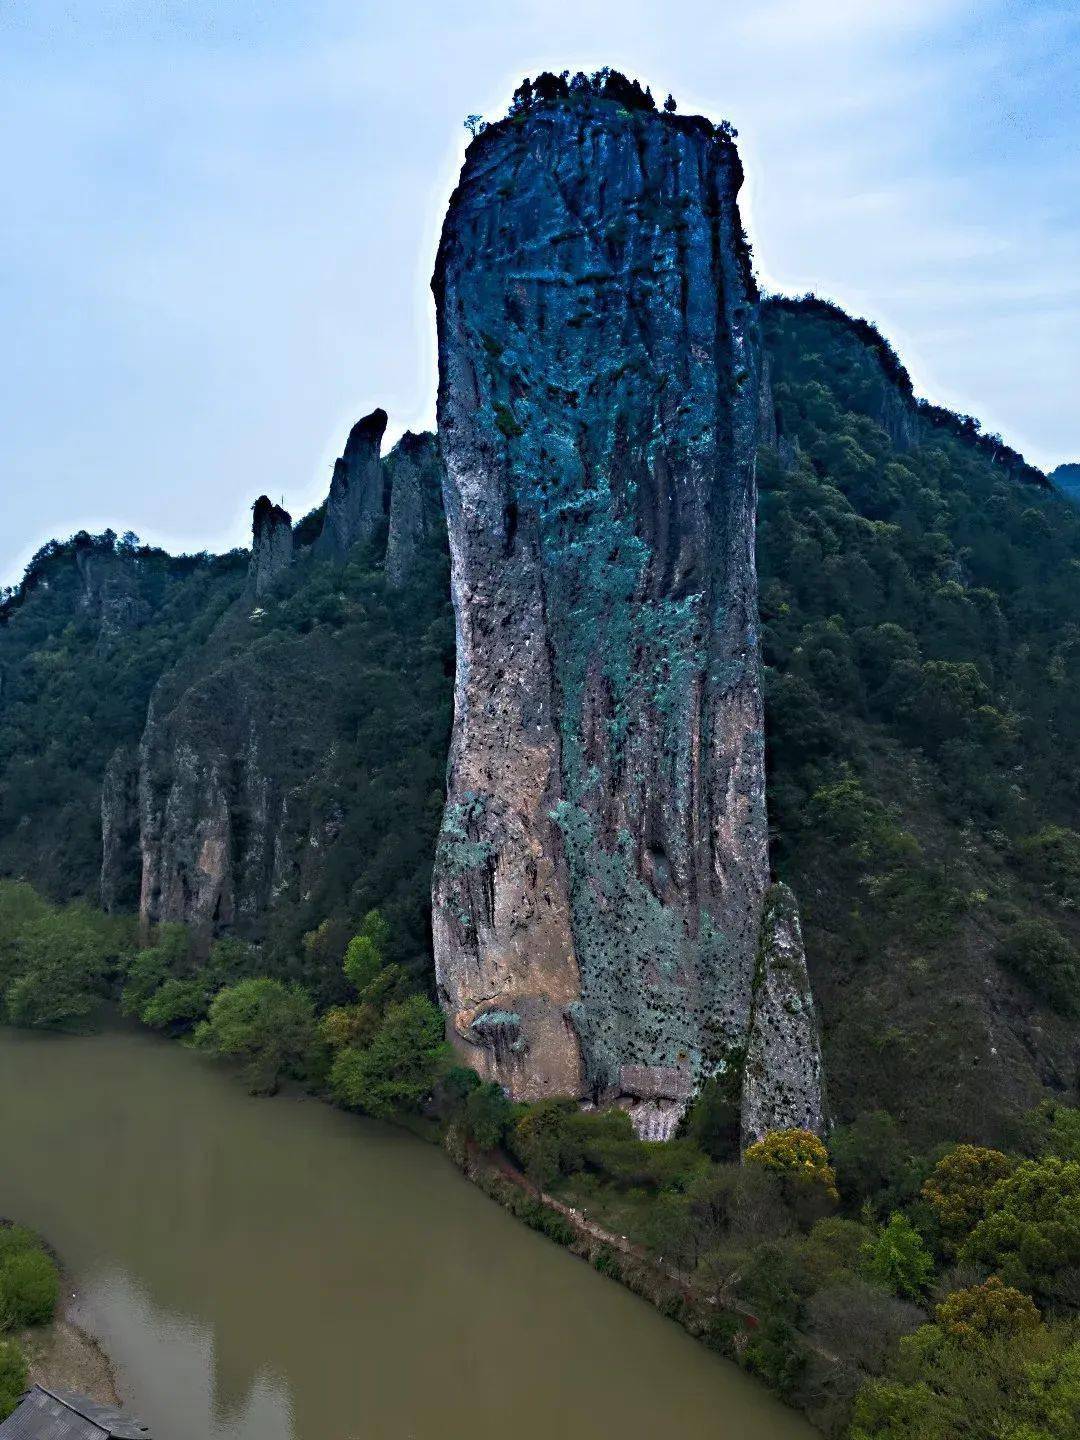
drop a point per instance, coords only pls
(220, 217)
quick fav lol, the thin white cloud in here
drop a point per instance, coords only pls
(223, 219)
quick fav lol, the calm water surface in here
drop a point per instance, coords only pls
(277, 1270)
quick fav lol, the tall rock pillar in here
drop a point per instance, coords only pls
(357, 496)
(271, 544)
(602, 861)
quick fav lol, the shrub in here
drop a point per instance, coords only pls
(800, 1157)
(13, 1376)
(1039, 955)
(606, 1143)
(457, 1085)
(1052, 856)
(898, 1260)
(488, 1115)
(988, 1309)
(267, 1026)
(1032, 1225)
(365, 954)
(872, 1161)
(177, 1004)
(14, 1240)
(401, 1065)
(714, 1119)
(29, 1287)
(959, 1187)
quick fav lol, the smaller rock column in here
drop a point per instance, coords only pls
(415, 502)
(271, 543)
(782, 1079)
(357, 491)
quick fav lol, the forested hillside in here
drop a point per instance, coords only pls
(920, 600)
(344, 682)
(83, 641)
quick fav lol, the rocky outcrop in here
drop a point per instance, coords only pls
(414, 476)
(110, 589)
(228, 766)
(271, 544)
(357, 499)
(782, 1079)
(602, 861)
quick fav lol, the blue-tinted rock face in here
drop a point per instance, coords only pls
(602, 862)
(357, 498)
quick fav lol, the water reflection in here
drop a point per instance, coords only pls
(275, 1270)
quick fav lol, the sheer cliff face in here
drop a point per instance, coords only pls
(602, 860)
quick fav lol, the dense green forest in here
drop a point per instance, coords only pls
(83, 641)
(919, 603)
(921, 636)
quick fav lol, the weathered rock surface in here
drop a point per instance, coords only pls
(110, 591)
(120, 830)
(601, 867)
(228, 765)
(414, 476)
(271, 543)
(782, 1079)
(358, 497)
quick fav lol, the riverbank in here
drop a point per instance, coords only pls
(67, 1356)
(42, 1316)
(722, 1324)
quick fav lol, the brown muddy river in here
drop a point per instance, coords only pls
(278, 1270)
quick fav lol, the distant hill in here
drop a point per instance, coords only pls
(1067, 479)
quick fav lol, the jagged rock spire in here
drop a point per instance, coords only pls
(357, 490)
(271, 543)
(415, 479)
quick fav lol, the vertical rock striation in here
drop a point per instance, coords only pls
(414, 474)
(357, 490)
(782, 1081)
(603, 856)
(271, 543)
(120, 830)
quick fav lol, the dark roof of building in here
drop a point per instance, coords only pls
(62, 1415)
